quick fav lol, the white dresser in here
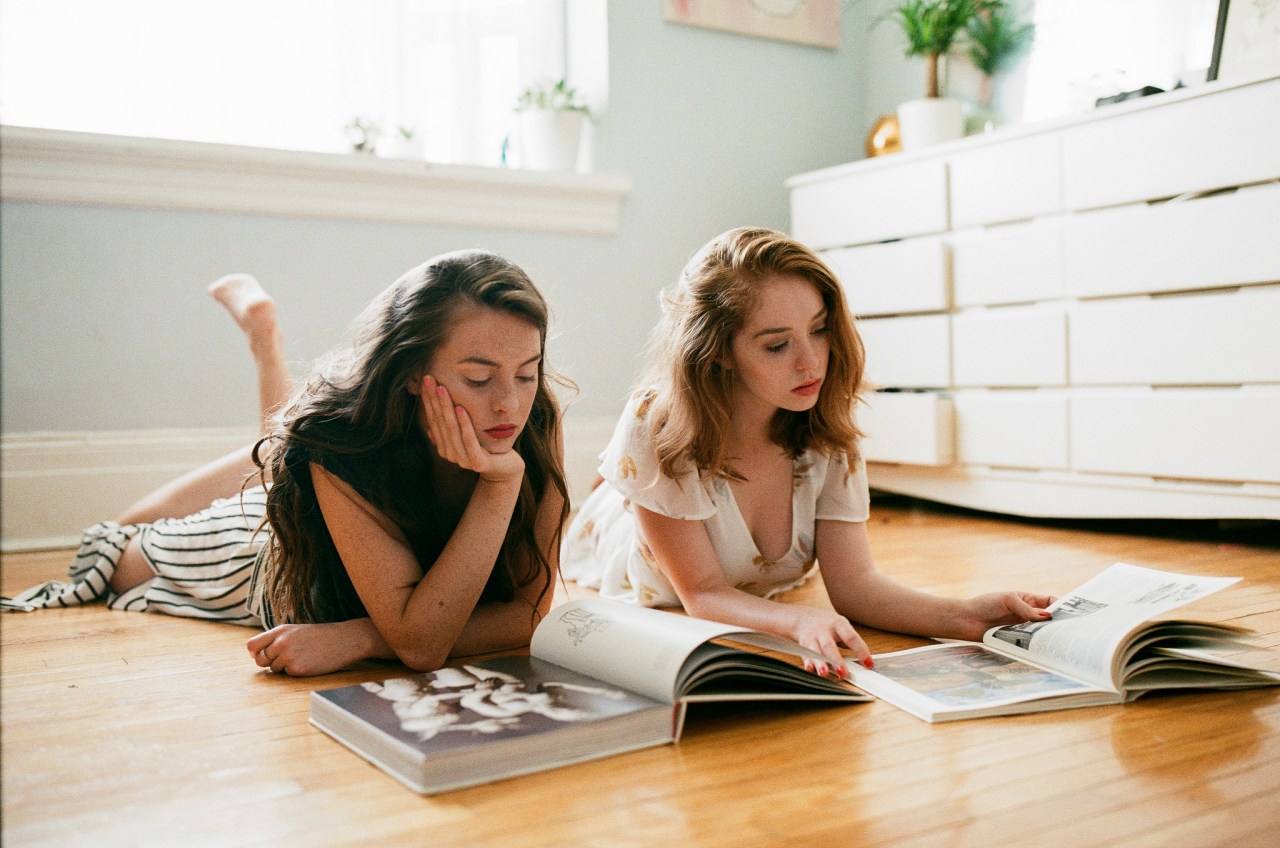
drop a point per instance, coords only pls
(1072, 319)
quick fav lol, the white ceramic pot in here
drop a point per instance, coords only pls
(549, 139)
(930, 120)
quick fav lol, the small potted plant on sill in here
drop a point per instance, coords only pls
(364, 133)
(550, 121)
(932, 28)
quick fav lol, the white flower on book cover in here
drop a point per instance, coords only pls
(477, 700)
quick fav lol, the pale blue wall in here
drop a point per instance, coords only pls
(105, 320)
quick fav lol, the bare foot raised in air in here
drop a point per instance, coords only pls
(255, 311)
(249, 304)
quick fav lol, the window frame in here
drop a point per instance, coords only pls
(60, 166)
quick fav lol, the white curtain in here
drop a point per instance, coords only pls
(281, 73)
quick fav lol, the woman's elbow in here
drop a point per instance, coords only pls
(421, 657)
(700, 604)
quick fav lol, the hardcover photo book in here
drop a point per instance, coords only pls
(1108, 642)
(603, 678)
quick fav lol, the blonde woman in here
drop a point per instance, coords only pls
(734, 470)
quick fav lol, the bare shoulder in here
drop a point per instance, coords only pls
(339, 500)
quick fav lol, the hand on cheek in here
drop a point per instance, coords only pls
(450, 429)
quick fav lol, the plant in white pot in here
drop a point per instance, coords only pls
(932, 28)
(551, 118)
(997, 36)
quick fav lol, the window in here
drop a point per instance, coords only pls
(1086, 49)
(290, 74)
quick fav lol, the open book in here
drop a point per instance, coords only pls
(1101, 646)
(604, 677)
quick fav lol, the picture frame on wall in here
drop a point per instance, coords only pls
(811, 22)
(1246, 41)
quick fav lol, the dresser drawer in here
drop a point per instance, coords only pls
(895, 277)
(906, 427)
(1213, 338)
(1015, 263)
(1224, 240)
(1010, 346)
(908, 353)
(871, 205)
(1006, 181)
(1195, 434)
(1196, 143)
(1013, 429)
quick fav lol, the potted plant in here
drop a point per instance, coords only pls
(364, 133)
(996, 37)
(551, 117)
(932, 28)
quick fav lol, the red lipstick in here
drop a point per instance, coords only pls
(809, 388)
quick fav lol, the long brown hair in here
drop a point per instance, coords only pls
(692, 393)
(356, 411)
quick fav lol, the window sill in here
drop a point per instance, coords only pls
(56, 166)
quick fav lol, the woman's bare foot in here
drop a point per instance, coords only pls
(255, 312)
(250, 306)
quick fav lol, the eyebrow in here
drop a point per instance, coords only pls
(769, 331)
(477, 360)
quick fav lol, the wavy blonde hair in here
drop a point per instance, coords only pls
(691, 394)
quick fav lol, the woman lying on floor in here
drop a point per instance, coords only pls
(412, 491)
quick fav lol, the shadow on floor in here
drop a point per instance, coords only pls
(1261, 533)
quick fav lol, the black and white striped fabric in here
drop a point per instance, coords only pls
(205, 564)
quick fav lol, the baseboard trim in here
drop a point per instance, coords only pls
(52, 485)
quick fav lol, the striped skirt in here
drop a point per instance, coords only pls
(206, 565)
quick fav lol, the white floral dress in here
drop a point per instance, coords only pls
(604, 549)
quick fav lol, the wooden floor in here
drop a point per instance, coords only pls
(129, 729)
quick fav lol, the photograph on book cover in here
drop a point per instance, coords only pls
(452, 706)
(1246, 43)
(812, 22)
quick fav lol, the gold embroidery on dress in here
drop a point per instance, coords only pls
(751, 587)
(763, 564)
(799, 472)
(588, 528)
(646, 554)
(627, 467)
(646, 401)
(646, 594)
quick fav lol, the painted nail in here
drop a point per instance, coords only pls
(869, 663)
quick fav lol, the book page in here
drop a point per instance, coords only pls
(1090, 624)
(964, 678)
(636, 648)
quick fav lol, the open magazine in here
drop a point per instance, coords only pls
(603, 677)
(1101, 646)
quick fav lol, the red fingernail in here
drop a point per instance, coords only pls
(868, 663)
(439, 391)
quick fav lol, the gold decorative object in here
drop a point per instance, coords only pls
(884, 137)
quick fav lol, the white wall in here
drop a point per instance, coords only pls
(106, 326)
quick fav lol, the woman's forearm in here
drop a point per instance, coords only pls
(440, 607)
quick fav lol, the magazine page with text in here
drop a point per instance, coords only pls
(1091, 624)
